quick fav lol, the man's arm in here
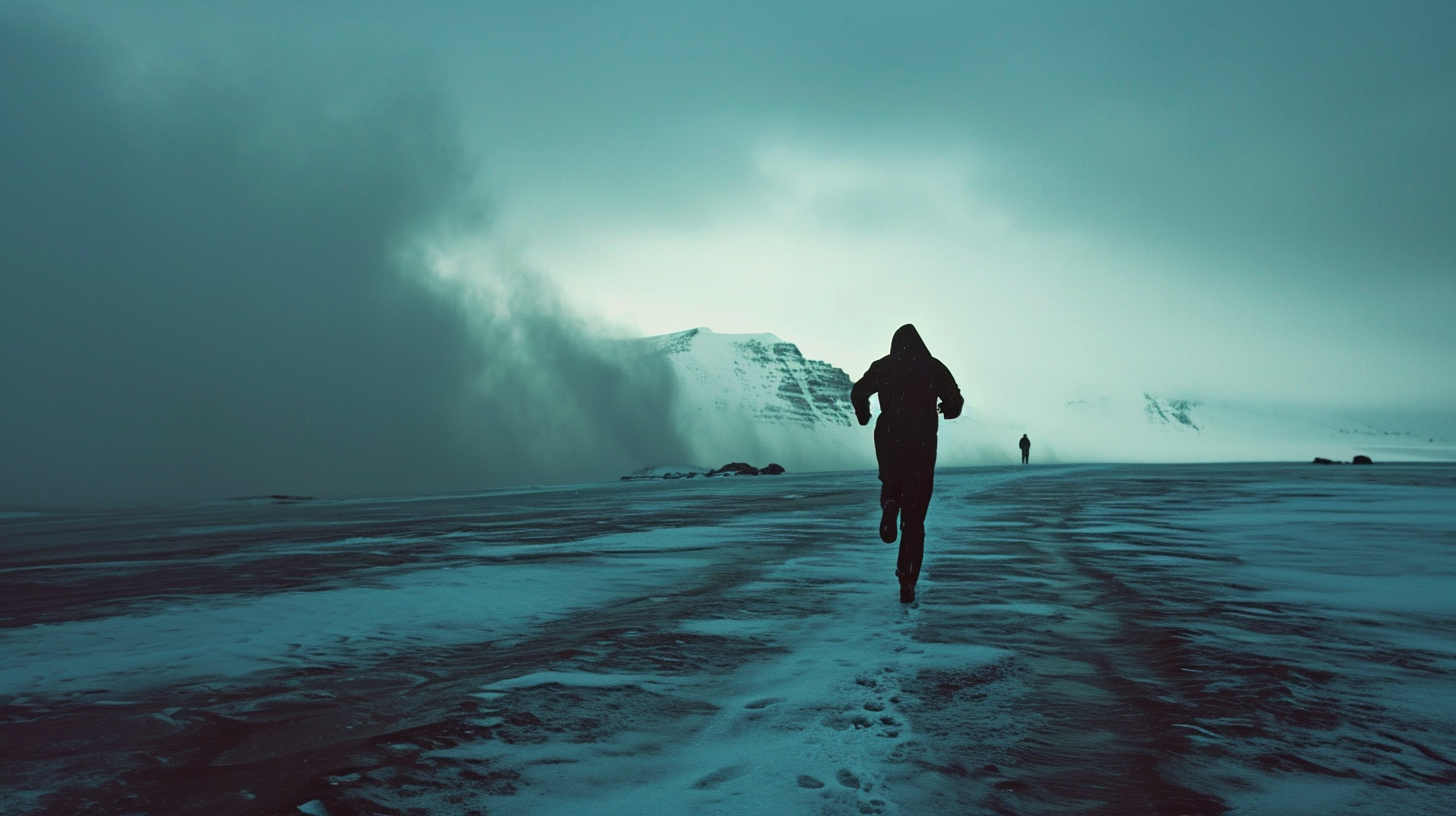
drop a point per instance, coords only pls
(859, 395)
(951, 401)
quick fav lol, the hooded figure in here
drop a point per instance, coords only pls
(909, 382)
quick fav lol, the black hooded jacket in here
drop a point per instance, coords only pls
(909, 381)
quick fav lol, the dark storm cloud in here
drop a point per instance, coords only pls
(210, 285)
(1310, 131)
(1303, 139)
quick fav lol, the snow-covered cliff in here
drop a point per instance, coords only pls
(758, 375)
(751, 397)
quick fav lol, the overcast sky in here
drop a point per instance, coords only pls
(1237, 201)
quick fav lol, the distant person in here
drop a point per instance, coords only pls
(909, 381)
(1025, 449)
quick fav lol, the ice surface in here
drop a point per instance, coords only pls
(1252, 639)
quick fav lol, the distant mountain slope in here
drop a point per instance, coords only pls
(754, 397)
(760, 375)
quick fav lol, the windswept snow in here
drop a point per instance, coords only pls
(1250, 639)
(755, 398)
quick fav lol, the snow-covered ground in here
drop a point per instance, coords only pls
(1134, 639)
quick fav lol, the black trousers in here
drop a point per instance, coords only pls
(907, 475)
(1025, 455)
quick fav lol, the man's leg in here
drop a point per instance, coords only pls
(888, 457)
(915, 497)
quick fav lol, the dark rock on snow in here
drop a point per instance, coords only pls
(1362, 459)
(689, 471)
(735, 469)
(745, 469)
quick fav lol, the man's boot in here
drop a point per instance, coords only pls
(889, 520)
(907, 586)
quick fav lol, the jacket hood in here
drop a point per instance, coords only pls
(907, 343)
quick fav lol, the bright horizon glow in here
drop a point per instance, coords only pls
(809, 259)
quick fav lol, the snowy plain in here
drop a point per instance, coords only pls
(1094, 639)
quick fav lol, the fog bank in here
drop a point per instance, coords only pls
(215, 281)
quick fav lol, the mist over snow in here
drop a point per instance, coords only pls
(1129, 426)
(216, 280)
(756, 398)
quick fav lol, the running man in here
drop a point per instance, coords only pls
(909, 381)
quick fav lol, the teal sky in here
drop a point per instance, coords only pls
(1240, 201)
(1126, 192)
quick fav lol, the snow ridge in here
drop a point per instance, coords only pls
(759, 374)
(745, 397)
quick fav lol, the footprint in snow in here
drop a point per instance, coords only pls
(720, 776)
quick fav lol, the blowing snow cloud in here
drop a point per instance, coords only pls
(214, 282)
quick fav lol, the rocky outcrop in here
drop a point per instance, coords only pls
(745, 469)
(692, 471)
